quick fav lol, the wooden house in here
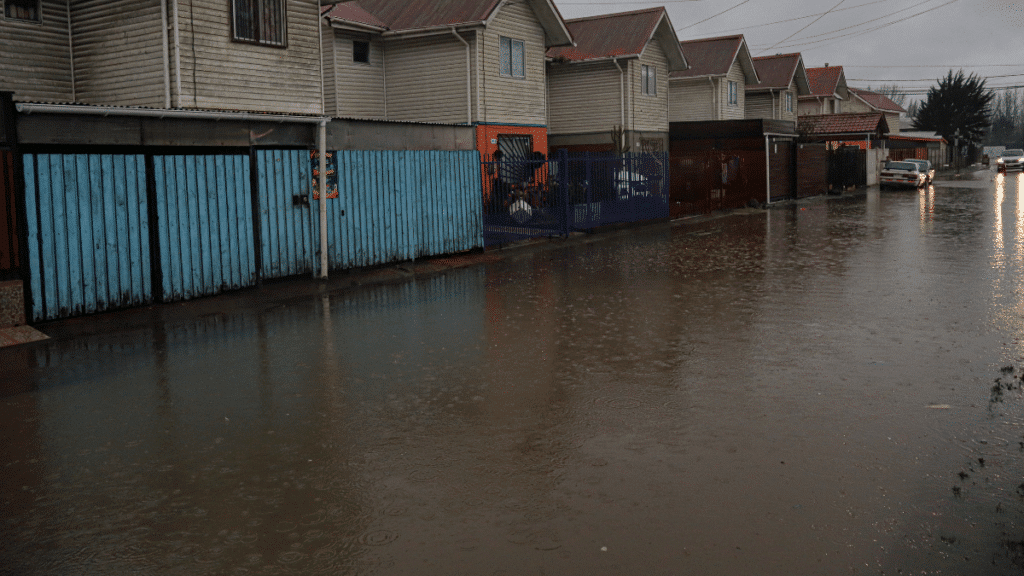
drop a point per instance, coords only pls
(615, 76)
(478, 62)
(783, 80)
(829, 92)
(868, 101)
(233, 55)
(714, 86)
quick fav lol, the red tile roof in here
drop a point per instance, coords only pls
(877, 101)
(824, 81)
(824, 124)
(775, 72)
(622, 34)
(709, 56)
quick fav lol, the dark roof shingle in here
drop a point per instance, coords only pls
(623, 34)
(877, 101)
(775, 72)
(709, 56)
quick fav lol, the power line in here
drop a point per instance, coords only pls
(713, 16)
(798, 18)
(924, 79)
(827, 12)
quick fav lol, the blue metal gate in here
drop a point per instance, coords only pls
(289, 243)
(88, 233)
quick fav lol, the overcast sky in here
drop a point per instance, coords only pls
(907, 42)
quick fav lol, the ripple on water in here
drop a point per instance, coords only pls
(378, 537)
(290, 557)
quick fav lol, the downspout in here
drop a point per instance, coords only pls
(166, 55)
(322, 187)
(622, 98)
(767, 170)
(71, 55)
(714, 99)
(177, 54)
(469, 79)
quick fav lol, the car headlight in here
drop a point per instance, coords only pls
(1000, 160)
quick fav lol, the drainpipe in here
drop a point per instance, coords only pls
(767, 170)
(166, 55)
(714, 99)
(177, 53)
(71, 55)
(622, 97)
(322, 186)
(469, 79)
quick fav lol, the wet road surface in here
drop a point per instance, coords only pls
(830, 387)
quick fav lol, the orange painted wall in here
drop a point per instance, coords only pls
(485, 135)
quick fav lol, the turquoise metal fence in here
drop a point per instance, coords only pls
(205, 224)
(87, 233)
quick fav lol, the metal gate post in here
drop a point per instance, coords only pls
(563, 189)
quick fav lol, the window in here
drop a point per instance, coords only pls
(23, 10)
(513, 58)
(648, 80)
(789, 101)
(259, 22)
(360, 51)
(733, 94)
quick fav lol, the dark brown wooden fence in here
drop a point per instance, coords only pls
(9, 263)
(812, 170)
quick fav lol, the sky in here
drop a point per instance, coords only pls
(910, 43)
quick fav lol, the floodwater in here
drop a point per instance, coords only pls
(831, 387)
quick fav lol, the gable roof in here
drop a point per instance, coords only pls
(779, 71)
(405, 16)
(877, 101)
(826, 81)
(625, 34)
(714, 57)
(836, 124)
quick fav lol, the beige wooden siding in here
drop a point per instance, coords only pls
(119, 52)
(426, 79)
(691, 100)
(762, 105)
(356, 89)
(810, 107)
(36, 62)
(240, 76)
(514, 100)
(856, 105)
(584, 98)
(650, 113)
(733, 112)
(893, 119)
(788, 114)
(327, 58)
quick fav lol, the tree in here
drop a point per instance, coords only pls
(893, 92)
(958, 109)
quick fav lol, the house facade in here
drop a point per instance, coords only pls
(464, 61)
(714, 86)
(868, 101)
(829, 93)
(195, 54)
(615, 77)
(783, 80)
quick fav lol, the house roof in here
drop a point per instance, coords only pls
(779, 71)
(419, 15)
(835, 124)
(714, 57)
(877, 101)
(624, 34)
(826, 81)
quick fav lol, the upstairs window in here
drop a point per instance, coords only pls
(513, 58)
(789, 101)
(734, 98)
(648, 80)
(360, 52)
(27, 10)
(259, 22)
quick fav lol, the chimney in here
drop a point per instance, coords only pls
(826, 64)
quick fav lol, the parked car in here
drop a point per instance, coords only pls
(1010, 159)
(902, 174)
(631, 185)
(926, 167)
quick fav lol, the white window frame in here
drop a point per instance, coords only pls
(37, 20)
(648, 80)
(789, 101)
(512, 52)
(734, 97)
(254, 32)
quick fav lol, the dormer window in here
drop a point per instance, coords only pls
(259, 22)
(27, 10)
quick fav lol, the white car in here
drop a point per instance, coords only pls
(926, 167)
(631, 185)
(902, 174)
(1010, 159)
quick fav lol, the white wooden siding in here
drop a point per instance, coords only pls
(119, 52)
(650, 113)
(240, 76)
(354, 89)
(584, 97)
(515, 100)
(893, 119)
(729, 112)
(426, 79)
(691, 100)
(762, 105)
(36, 61)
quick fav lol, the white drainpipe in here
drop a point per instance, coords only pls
(767, 170)
(469, 78)
(622, 98)
(322, 185)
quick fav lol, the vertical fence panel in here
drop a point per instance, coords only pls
(9, 244)
(287, 228)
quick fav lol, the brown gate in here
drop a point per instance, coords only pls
(812, 170)
(9, 264)
(780, 155)
(707, 180)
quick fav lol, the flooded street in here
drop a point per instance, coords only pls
(810, 389)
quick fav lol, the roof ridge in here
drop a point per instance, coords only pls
(730, 37)
(789, 55)
(613, 15)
